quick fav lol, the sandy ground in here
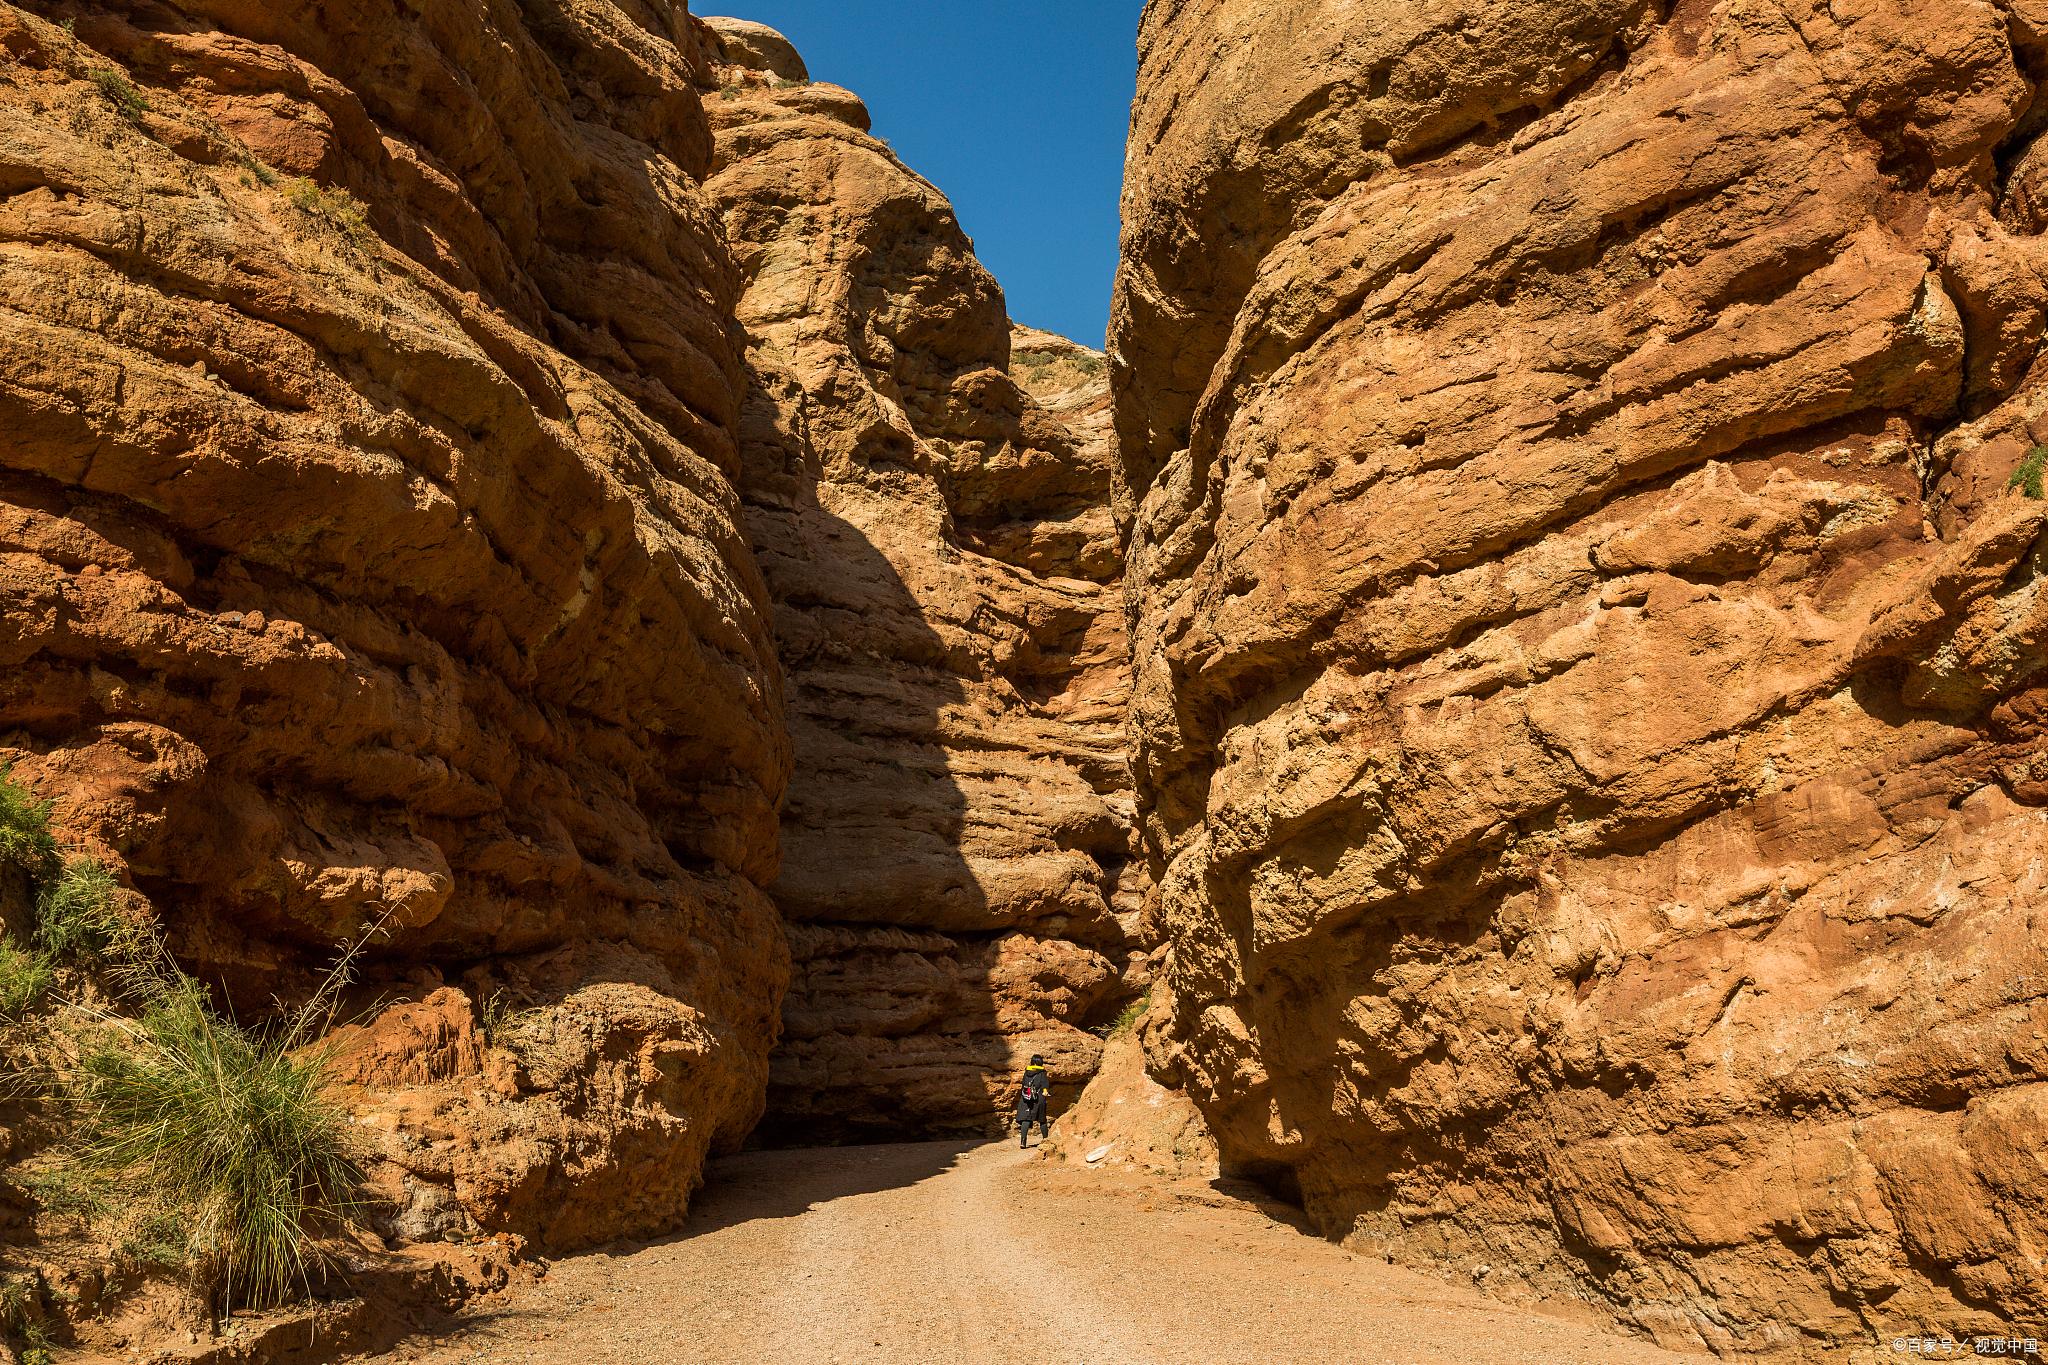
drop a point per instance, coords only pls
(937, 1252)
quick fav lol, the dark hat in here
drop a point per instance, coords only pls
(1036, 1060)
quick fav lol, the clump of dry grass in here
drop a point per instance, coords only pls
(2028, 477)
(229, 1138)
(205, 1144)
(128, 102)
(334, 207)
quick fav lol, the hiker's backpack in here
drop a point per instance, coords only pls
(1035, 1085)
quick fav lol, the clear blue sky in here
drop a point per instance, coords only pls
(1016, 111)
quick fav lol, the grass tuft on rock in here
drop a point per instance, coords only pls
(1127, 1021)
(78, 918)
(25, 837)
(200, 1144)
(25, 978)
(336, 208)
(228, 1136)
(128, 102)
(2028, 477)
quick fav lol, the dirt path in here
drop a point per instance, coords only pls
(942, 1253)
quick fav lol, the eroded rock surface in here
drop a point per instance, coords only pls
(386, 563)
(929, 499)
(1126, 1120)
(1588, 708)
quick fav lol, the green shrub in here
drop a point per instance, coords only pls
(25, 978)
(1127, 1021)
(25, 837)
(228, 1135)
(494, 1019)
(21, 1321)
(255, 173)
(121, 93)
(2028, 477)
(1037, 363)
(59, 1190)
(77, 916)
(337, 208)
(156, 1240)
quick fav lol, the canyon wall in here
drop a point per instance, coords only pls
(371, 552)
(432, 435)
(928, 491)
(1588, 708)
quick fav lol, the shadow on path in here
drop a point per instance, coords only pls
(768, 1184)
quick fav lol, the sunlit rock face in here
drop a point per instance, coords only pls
(1588, 713)
(370, 553)
(928, 490)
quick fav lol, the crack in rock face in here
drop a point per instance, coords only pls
(1588, 667)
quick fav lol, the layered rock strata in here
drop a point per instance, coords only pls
(370, 551)
(928, 493)
(1589, 704)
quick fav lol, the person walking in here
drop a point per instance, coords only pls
(1033, 1099)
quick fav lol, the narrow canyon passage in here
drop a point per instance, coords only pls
(1508, 697)
(948, 1252)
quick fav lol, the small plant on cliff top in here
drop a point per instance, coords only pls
(121, 93)
(231, 1133)
(2028, 477)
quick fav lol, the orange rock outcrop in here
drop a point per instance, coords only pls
(370, 548)
(928, 491)
(429, 436)
(1589, 707)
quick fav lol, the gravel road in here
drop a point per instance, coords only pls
(937, 1252)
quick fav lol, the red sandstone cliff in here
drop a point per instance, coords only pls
(399, 407)
(1589, 707)
(365, 561)
(929, 496)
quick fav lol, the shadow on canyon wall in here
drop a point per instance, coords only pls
(891, 1028)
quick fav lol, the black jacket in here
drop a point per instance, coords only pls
(1035, 1079)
